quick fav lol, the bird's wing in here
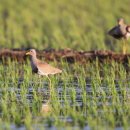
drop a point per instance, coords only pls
(45, 69)
(113, 31)
(116, 32)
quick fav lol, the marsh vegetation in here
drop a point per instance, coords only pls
(92, 95)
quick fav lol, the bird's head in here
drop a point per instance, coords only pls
(31, 52)
(120, 21)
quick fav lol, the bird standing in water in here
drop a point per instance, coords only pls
(121, 31)
(40, 67)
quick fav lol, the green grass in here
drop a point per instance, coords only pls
(81, 25)
(103, 103)
(76, 24)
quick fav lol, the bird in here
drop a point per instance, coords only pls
(40, 67)
(120, 31)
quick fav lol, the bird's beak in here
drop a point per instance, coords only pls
(28, 53)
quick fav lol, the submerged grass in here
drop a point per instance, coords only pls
(90, 95)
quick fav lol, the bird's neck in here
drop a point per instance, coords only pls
(34, 60)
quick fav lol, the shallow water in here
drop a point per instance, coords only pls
(44, 90)
(60, 91)
(45, 127)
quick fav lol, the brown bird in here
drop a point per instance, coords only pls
(40, 67)
(121, 31)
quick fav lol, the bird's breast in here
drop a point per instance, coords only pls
(35, 70)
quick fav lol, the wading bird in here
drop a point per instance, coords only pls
(121, 31)
(40, 67)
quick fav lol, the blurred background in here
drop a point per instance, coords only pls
(76, 24)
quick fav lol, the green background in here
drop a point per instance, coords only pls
(76, 24)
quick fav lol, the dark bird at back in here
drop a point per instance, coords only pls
(122, 30)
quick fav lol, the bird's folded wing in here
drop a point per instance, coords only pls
(47, 69)
(113, 31)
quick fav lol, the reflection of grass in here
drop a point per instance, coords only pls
(102, 103)
(60, 23)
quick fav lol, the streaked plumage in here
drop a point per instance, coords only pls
(40, 67)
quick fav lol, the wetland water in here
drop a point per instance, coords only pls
(71, 95)
(95, 98)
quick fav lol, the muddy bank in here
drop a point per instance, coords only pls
(69, 55)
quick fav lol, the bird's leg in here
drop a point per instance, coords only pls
(49, 86)
(124, 46)
(49, 80)
(39, 78)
